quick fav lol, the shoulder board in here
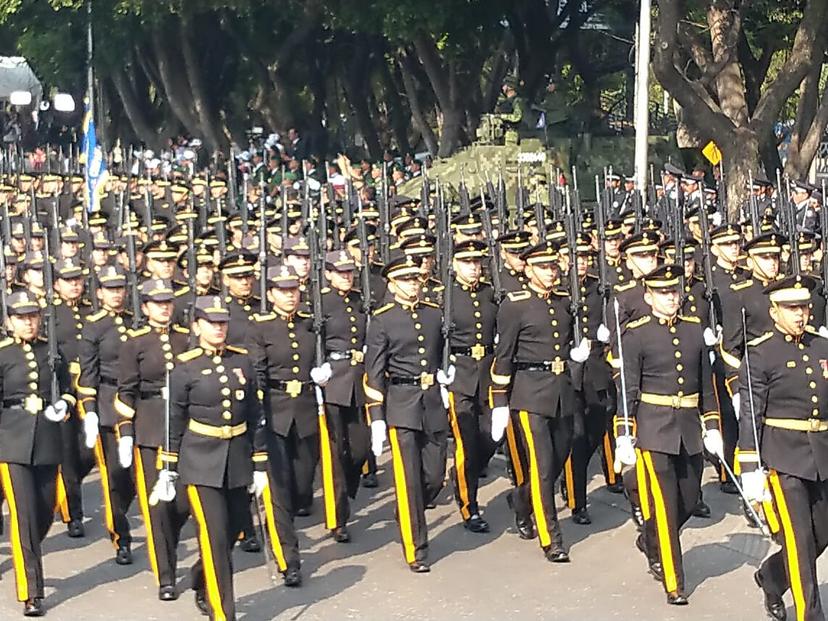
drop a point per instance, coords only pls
(267, 317)
(591, 276)
(761, 339)
(690, 318)
(6, 342)
(625, 286)
(561, 292)
(182, 291)
(237, 349)
(191, 354)
(326, 290)
(517, 296)
(303, 314)
(139, 331)
(383, 309)
(356, 291)
(738, 286)
(639, 322)
(96, 316)
(431, 304)
(180, 329)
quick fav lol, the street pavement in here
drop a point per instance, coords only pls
(491, 576)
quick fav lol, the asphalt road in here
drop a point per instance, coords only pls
(490, 576)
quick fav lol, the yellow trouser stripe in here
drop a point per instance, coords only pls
(109, 521)
(61, 502)
(275, 542)
(326, 458)
(213, 594)
(643, 492)
(790, 546)
(534, 482)
(569, 480)
(609, 460)
(141, 485)
(366, 469)
(517, 466)
(402, 498)
(459, 460)
(662, 527)
(18, 560)
(771, 516)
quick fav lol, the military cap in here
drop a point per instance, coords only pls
(802, 186)
(556, 231)
(583, 244)
(515, 241)
(694, 214)
(650, 224)
(668, 248)
(628, 219)
(199, 181)
(202, 257)
(282, 276)
(238, 263)
(400, 200)
(340, 261)
(766, 243)
(38, 231)
(808, 241)
(641, 243)
(613, 177)
(468, 224)
(673, 170)
(726, 233)
(112, 276)
(791, 290)
(420, 245)
(11, 256)
(470, 250)
(211, 308)
(69, 234)
(157, 290)
(404, 266)
(32, 261)
(510, 81)
(664, 277)
(411, 227)
(68, 269)
(22, 303)
(758, 183)
(352, 237)
(297, 246)
(368, 211)
(179, 188)
(160, 250)
(613, 228)
(97, 218)
(544, 252)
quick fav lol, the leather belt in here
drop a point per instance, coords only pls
(423, 380)
(351, 354)
(109, 381)
(797, 424)
(292, 387)
(151, 394)
(676, 402)
(478, 351)
(32, 404)
(555, 367)
(223, 432)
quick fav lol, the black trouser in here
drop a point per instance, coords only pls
(473, 448)
(117, 485)
(344, 446)
(518, 463)
(30, 494)
(163, 521)
(303, 455)
(419, 460)
(281, 533)
(801, 510)
(591, 434)
(77, 462)
(669, 487)
(220, 514)
(547, 442)
(729, 424)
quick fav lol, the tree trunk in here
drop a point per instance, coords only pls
(742, 161)
(420, 122)
(724, 22)
(135, 112)
(208, 118)
(807, 144)
(176, 89)
(393, 101)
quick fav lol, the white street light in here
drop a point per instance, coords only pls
(20, 98)
(64, 102)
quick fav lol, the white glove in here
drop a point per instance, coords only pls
(259, 483)
(713, 443)
(164, 488)
(444, 395)
(754, 485)
(716, 219)
(445, 378)
(90, 429)
(378, 434)
(500, 420)
(603, 334)
(823, 332)
(624, 452)
(712, 339)
(57, 412)
(321, 375)
(581, 352)
(736, 400)
(125, 451)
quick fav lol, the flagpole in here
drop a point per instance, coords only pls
(90, 110)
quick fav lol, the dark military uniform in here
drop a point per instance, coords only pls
(241, 314)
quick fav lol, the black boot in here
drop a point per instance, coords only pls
(34, 607)
(774, 605)
(201, 603)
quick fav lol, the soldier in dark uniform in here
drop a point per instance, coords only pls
(204, 280)
(617, 272)
(145, 360)
(161, 259)
(512, 244)
(784, 393)
(404, 347)
(237, 275)
(30, 441)
(666, 403)
(102, 337)
(530, 377)
(346, 428)
(215, 423)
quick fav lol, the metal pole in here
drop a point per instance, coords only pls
(642, 90)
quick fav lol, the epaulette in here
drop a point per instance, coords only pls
(761, 339)
(96, 316)
(257, 317)
(639, 322)
(382, 309)
(517, 296)
(738, 286)
(237, 349)
(561, 292)
(303, 314)
(325, 290)
(6, 342)
(690, 318)
(138, 332)
(592, 276)
(182, 291)
(180, 329)
(191, 354)
(431, 304)
(626, 286)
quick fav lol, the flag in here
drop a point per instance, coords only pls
(92, 155)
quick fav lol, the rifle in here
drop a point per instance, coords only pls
(753, 207)
(262, 249)
(51, 318)
(192, 271)
(243, 207)
(365, 265)
(721, 194)
(425, 197)
(601, 224)
(465, 201)
(494, 256)
(384, 219)
(540, 220)
(316, 241)
(519, 204)
(132, 277)
(500, 204)
(3, 288)
(678, 243)
(574, 284)
(446, 275)
(823, 221)
(709, 288)
(443, 229)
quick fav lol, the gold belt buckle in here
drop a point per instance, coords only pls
(815, 423)
(426, 380)
(33, 404)
(557, 367)
(357, 355)
(478, 352)
(226, 432)
(293, 388)
(676, 401)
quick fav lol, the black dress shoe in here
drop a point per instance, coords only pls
(250, 544)
(75, 529)
(525, 527)
(615, 488)
(419, 567)
(341, 534)
(555, 554)
(476, 524)
(774, 605)
(677, 599)
(654, 566)
(201, 603)
(581, 516)
(430, 506)
(729, 487)
(564, 492)
(370, 480)
(303, 512)
(637, 516)
(701, 510)
(167, 593)
(123, 556)
(293, 578)
(34, 607)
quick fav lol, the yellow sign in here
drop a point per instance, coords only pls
(712, 153)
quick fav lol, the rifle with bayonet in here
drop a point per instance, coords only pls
(710, 293)
(823, 221)
(365, 261)
(262, 249)
(570, 229)
(132, 277)
(51, 308)
(446, 268)
(384, 219)
(753, 208)
(494, 255)
(601, 224)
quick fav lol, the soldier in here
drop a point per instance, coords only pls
(666, 402)
(30, 441)
(512, 245)
(214, 426)
(783, 428)
(161, 258)
(237, 276)
(510, 108)
(404, 346)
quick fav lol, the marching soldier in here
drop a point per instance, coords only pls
(237, 276)
(512, 277)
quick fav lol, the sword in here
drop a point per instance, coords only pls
(617, 465)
